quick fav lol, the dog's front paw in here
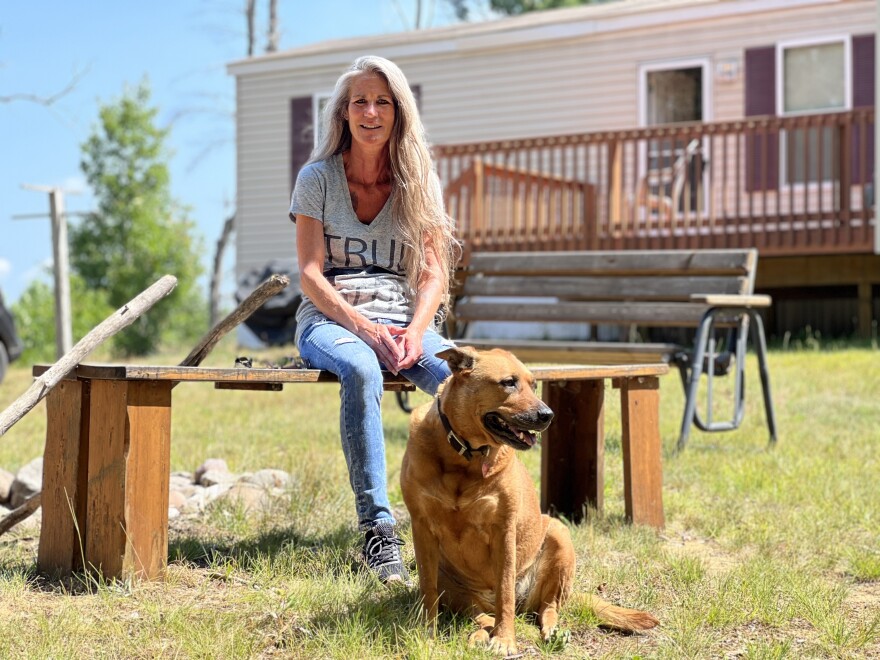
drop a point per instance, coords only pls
(479, 638)
(503, 646)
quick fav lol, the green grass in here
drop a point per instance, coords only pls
(767, 552)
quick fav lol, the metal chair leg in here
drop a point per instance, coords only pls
(693, 384)
(760, 343)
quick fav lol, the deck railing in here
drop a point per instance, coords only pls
(786, 185)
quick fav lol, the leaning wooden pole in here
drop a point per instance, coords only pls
(272, 286)
(120, 319)
(23, 512)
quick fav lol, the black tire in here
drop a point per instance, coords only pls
(4, 360)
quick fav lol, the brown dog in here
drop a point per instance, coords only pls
(481, 542)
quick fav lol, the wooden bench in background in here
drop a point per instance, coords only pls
(106, 464)
(705, 291)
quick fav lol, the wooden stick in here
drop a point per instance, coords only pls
(15, 516)
(120, 319)
(248, 306)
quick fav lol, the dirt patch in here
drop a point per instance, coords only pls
(710, 553)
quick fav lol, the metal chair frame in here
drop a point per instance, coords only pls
(704, 354)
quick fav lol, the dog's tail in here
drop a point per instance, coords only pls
(620, 618)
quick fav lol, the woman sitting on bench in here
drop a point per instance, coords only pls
(375, 250)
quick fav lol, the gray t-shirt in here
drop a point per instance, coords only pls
(362, 262)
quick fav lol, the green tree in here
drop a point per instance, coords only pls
(34, 313)
(515, 7)
(139, 232)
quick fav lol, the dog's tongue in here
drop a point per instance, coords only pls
(485, 469)
(526, 437)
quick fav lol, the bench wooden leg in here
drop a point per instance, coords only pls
(573, 449)
(128, 475)
(63, 498)
(642, 470)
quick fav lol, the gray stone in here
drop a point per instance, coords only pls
(214, 477)
(187, 490)
(27, 482)
(6, 479)
(176, 499)
(217, 464)
(179, 481)
(198, 501)
(268, 478)
(250, 497)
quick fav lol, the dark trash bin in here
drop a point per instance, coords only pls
(275, 322)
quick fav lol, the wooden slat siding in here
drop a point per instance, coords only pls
(60, 527)
(640, 440)
(579, 448)
(105, 531)
(594, 287)
(148, 466)
(657, 314)
(631, 262)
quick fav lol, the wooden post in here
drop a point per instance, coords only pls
(63, 523)
(866, 309)
(63, 323)
(105, 499)
(573, 448)
(147, 477)
(642, 470)
(615, 192)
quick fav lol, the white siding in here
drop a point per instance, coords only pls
(560, 86)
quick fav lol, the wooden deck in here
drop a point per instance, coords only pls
(785, 185)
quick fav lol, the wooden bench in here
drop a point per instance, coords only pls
(707, 291)
(106, 464)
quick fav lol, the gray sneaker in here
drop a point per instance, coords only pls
(382, 554)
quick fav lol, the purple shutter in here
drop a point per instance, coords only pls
(762, 150)
(302, 137)
(863, 97)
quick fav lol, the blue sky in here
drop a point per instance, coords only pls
(182, 47)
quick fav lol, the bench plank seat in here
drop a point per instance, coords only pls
(703, 291)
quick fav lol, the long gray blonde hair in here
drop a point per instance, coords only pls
(417, 199)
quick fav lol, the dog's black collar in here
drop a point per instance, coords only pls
(461, 446)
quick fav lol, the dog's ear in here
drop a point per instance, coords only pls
(459, 359)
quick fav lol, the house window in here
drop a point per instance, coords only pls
(673, 168)
(319, 102)
(814, 78)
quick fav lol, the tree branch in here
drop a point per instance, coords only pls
(46, 100)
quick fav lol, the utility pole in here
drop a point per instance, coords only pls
(61, 268)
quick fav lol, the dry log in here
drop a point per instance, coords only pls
(15, 516)
(120, 319)
(248, 306)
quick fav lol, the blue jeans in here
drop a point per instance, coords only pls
(327, 345)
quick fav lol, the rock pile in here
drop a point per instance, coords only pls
(189, 493)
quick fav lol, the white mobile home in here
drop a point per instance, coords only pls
(638, 123)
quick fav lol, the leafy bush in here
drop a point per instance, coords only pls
(35, 316)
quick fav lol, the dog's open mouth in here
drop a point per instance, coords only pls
(518, 438)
